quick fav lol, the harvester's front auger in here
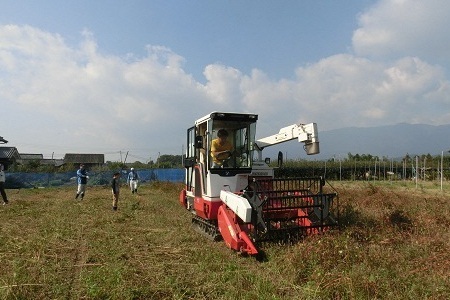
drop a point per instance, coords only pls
(233, 234)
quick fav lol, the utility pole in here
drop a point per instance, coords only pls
(417, 163)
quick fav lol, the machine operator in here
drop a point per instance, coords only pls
(221, 149)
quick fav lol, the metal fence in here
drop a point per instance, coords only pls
(34, 180)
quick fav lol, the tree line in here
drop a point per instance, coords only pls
(367, 166)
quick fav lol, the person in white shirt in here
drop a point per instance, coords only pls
(2, 184)
(133, 180)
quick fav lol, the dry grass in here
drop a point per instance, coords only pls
(393, 245)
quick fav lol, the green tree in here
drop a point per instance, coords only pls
(169, 161)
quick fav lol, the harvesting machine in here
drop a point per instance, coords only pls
(240, 201)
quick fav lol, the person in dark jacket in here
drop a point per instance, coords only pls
(82, 178)
(115, 186)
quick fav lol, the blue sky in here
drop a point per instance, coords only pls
(131, 76)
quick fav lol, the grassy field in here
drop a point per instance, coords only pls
(393, 244)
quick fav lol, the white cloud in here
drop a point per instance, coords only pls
(98, 101)
(344, 90)
(223, 85)
(260, 93)
(398, 28)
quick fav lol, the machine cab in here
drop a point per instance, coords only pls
(240, 129)
(199, 161)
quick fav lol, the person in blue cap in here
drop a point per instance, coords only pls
(133, 180)
(82, 178)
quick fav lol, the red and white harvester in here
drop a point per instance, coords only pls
(241, 202)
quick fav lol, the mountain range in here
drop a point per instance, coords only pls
(391, 141)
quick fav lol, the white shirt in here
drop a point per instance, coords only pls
(2, 176)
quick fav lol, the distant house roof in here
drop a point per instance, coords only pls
(52, 162)
(9, 153)
(77, 158)
(29, 156)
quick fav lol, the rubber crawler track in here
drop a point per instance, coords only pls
(207, 228)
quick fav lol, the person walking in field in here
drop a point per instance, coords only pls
(82, 178)
(133, 180)
(2, 185)
(115, 186)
